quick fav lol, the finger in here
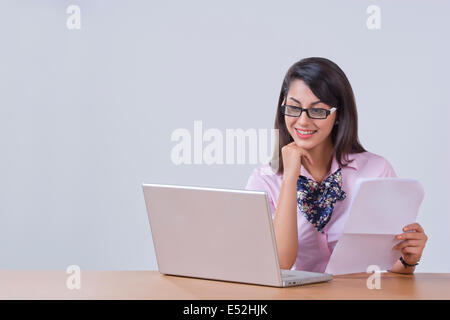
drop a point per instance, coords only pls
(289, 145)
(408, 243)
(305, 159)
(307, 156)
(411, 250)
(414, 226)
(410, 235)
(309, 159)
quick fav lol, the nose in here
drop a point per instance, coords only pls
(304, 120)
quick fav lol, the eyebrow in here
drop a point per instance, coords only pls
(314, 103)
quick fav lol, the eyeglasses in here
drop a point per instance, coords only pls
(313, 113)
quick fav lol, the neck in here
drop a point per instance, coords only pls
(322, 156)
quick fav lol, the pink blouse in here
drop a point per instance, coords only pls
(315, 248)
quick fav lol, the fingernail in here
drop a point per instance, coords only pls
(399, 237)
(405, 229)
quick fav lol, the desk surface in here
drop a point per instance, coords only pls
(19, 284)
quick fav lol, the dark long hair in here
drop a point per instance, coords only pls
(329, 83)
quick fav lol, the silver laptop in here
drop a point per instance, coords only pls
(217, 234)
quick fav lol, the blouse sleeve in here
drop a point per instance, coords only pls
(388, 171)
(257, 182)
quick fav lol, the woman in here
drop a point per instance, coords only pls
(320, 157)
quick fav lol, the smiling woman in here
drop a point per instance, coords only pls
(316, 168)
(319, 83)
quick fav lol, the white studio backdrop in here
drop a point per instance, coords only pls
(88, 109)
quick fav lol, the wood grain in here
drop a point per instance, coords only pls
(51, 284)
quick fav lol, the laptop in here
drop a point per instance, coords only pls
(217, 234)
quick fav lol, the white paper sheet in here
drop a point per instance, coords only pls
(380, 208)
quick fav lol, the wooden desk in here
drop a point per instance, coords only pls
(19, 284)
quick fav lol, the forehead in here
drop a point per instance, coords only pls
(299, 90)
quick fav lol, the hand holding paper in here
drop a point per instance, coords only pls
(414, 240)
(380, 208)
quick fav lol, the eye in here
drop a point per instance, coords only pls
(318, 112)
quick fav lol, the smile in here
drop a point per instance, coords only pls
(305, 133)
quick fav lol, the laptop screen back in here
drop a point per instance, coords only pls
(213, 233)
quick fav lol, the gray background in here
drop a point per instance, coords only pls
(86, 115)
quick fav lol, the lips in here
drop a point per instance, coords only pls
(305, 133)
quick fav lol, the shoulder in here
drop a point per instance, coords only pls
(373, 163)
(263, 176)
(368, 158)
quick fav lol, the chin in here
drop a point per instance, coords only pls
(307, 145)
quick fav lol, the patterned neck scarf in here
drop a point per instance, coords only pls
(316, 201)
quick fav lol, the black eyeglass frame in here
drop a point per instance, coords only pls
(328, 111)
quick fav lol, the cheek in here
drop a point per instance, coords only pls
(326, 126)
(289, 121)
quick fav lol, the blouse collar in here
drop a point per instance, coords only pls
(334, 166)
